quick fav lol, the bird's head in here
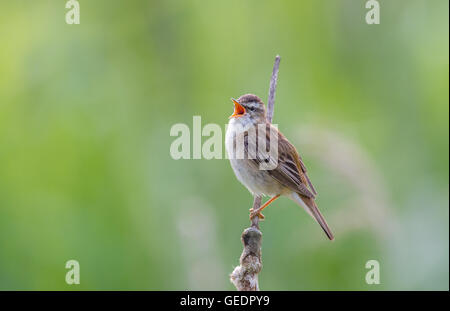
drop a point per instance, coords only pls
(248, 109)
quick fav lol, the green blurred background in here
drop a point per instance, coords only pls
(85, 168)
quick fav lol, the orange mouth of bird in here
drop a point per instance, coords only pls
(239, 111)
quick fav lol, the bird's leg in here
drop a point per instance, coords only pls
(253, 212)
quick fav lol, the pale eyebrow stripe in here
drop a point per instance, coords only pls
(252, 104)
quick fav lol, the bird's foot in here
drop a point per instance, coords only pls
(256, 212)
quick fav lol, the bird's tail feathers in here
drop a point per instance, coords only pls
(311, 208)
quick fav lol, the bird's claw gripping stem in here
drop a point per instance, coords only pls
(254, 213)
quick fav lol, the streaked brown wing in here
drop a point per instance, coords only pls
(303, 168)
(290, 171)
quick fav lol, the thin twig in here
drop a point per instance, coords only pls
(256, 205)
(245, 276)
(272, 89)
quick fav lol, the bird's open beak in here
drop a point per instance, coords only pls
(239, 111)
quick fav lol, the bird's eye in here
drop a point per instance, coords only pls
(251, 108)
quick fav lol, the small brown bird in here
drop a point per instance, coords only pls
(275, 173)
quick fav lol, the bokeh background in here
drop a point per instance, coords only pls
(85, 116)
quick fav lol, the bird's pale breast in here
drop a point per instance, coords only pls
(257, 181)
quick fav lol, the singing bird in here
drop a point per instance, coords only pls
(287, 177)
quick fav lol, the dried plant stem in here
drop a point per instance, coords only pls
(245, 276)
(272, 89)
